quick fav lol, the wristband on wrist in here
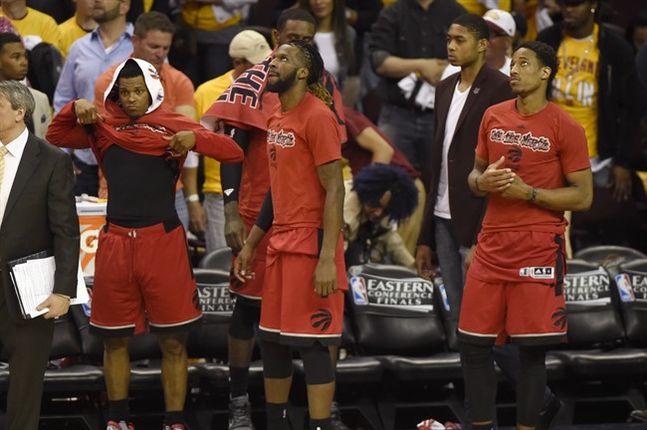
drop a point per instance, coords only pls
(533, 194)
(192, 198)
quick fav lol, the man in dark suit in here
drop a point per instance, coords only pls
(452, 215)
(37, 212)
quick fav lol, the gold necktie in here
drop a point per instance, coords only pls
(3, 152)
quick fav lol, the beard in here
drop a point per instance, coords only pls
(107, 15)
(282, 85)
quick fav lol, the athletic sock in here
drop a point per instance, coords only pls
(238, 381)
(118, 410)
(174, 417)
(277, 416)
(322, 424)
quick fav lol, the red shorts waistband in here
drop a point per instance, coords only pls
(149, 231)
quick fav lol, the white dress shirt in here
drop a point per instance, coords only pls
(11, 162)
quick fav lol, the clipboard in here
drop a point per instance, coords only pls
(32, 278)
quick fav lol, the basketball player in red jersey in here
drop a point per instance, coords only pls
(302, 307)
(244, 108)
(532, 162)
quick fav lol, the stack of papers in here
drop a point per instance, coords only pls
(34, 281)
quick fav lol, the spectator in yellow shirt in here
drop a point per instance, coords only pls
(76, 27)
(33, 26)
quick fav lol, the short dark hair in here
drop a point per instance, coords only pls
(153, 21)
(372, 181)
(294, 14)
(474, 24)
(6, 38)
(546, 55)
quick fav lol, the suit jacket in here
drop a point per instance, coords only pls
(489, 88)
(41, 215)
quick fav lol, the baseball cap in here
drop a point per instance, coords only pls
(502, 20)
(250, 45)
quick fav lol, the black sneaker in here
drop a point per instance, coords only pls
(548, 414)
(239, 414)
(335, 418)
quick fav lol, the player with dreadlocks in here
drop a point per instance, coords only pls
(302, 304)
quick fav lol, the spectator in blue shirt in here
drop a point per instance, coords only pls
(89, 57)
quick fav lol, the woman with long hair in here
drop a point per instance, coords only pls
(334, 37)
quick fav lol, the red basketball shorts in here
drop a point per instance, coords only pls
(518, 296)
(143, 276)
(252, 288)
(292, 312)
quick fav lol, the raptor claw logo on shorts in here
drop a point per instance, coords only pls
(321, 319)
(559, 318)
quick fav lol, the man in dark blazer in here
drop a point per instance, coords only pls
(453, 214)
(37, 212)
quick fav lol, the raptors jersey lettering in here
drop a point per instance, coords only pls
(541, 149)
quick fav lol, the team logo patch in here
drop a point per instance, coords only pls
(524, 140)
(559, 318)
(282, 138)
(321, 319)
(542, 272)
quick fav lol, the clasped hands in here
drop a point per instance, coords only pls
(504, 181)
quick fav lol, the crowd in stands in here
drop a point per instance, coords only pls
(388, 59)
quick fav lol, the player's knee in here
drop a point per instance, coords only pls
(277, 360)
(173, 344)
(474, 355)
(243, 321)
(317, 364)
(115, 344)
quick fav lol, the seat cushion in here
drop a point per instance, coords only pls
(443, 366)
(598, 362)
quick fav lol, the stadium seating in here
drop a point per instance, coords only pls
(394, 341)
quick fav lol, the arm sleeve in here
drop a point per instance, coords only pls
(184, 90)
(65, 132)
(65, 91)
(395, 247)
(266, 216)
(427, 229)
(322, 136)
(481, 146)
(217, 146)
(231, 173)
(383, 40)
(64, 225)
(629, 109)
